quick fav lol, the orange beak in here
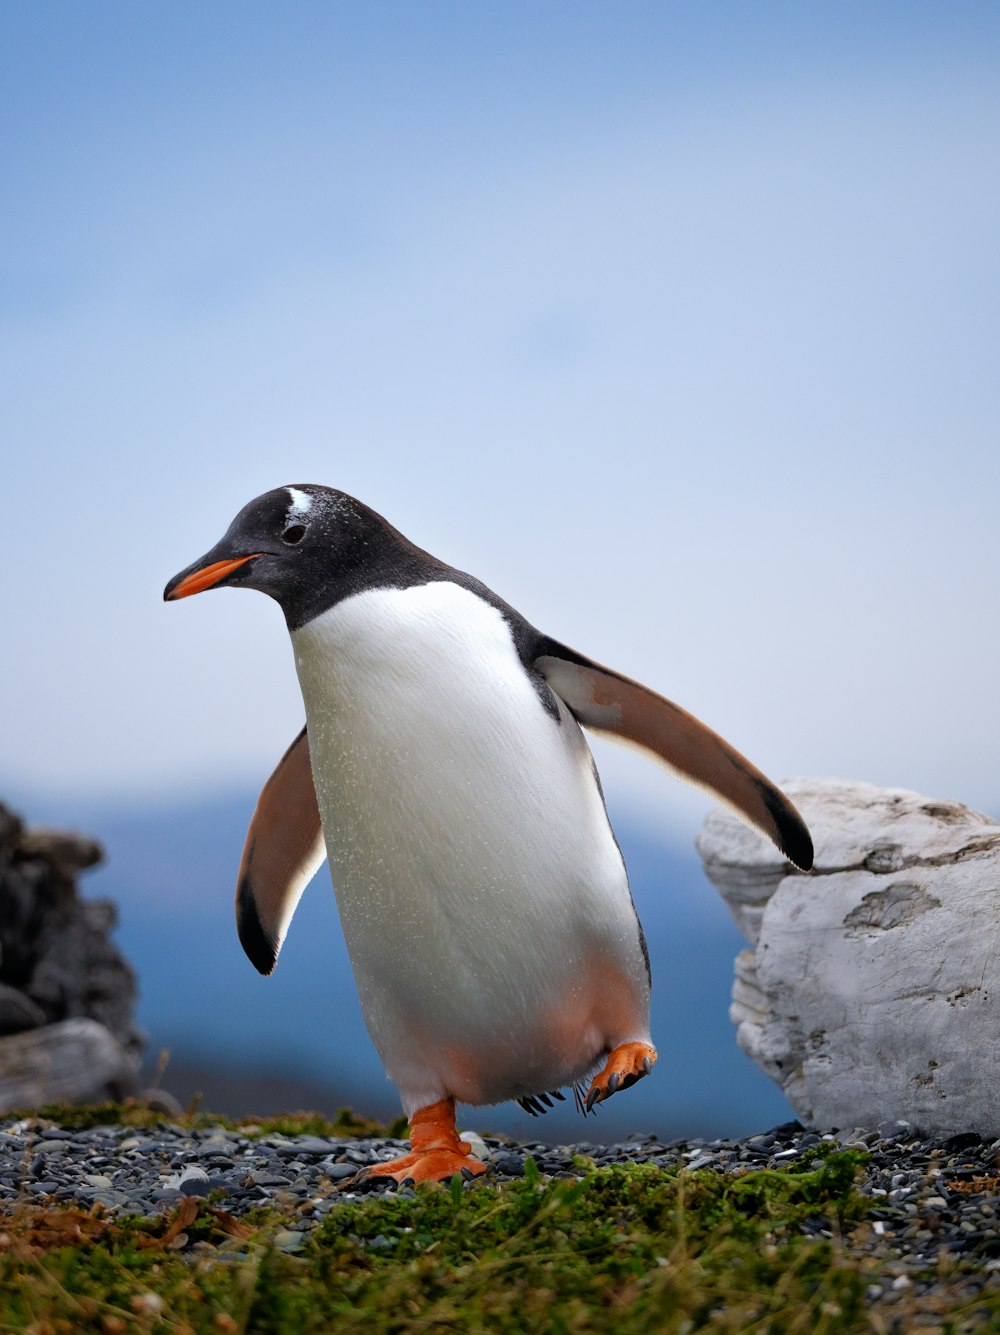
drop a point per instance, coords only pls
(199, 580)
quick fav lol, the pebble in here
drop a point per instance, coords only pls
(929, 1197)
(339, 1172)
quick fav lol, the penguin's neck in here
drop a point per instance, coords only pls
(417, 644)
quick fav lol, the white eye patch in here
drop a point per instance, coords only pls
(300, 506)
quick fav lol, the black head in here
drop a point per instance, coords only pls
(306, 547)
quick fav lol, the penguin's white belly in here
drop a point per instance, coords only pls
(483, 897)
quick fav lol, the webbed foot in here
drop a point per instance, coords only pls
(436, 1151)
(625, 1065)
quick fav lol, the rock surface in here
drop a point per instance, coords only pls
(67, 996)
(873, 989)
(75, 1061)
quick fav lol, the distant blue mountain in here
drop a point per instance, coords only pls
(172, 873)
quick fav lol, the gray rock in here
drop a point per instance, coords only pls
(69, 851)
(57, 959)
(872, 994)
(18, 1011)
(306, 1145)
(339, 1172)
(77, 1061)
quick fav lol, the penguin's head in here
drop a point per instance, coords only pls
(300, 545)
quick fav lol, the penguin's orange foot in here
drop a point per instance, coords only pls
(625, 1065)
(437, 1152)
(426, 1166)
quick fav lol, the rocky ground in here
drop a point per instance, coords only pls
(929, 1197)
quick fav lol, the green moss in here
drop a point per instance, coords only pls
(629, 1249)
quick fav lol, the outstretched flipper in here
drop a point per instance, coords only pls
(608, 702)
(283, 851)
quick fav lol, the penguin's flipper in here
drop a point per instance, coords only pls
(608, 702)
(283, 851)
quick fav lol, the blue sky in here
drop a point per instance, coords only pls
(677, 324)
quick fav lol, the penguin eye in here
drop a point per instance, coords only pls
(293, 534)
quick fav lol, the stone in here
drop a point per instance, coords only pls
(67, 997)
(17, 1011)
(75, 1061)
(872, 992)
(339, 1172)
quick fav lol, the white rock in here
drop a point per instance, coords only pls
(873, 989)
(479, 1148)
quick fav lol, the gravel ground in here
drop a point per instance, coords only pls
(933, 1199)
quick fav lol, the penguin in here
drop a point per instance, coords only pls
(444, 774)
